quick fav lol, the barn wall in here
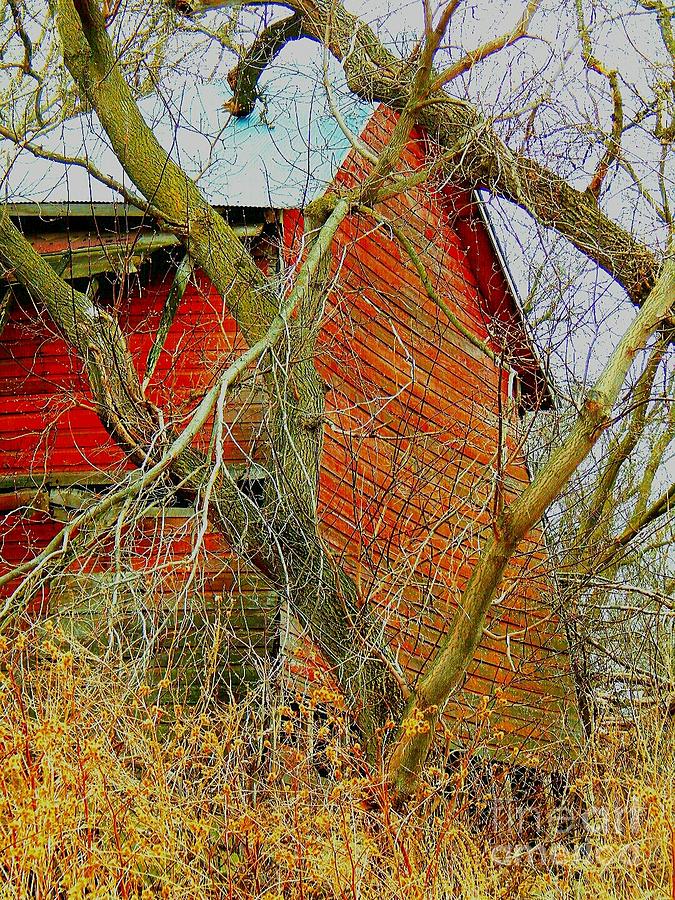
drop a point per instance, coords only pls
(172, 606)
(410, 455)
(47, 421)
(52, 442)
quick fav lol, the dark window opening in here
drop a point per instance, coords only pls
(253, 488)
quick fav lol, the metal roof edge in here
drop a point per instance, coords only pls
(481, 207)
(89, 209)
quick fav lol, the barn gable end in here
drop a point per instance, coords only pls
(410, 449)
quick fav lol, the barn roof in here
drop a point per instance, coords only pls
(281, 156)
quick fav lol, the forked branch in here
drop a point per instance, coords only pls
(592, 63)
(479, 159)
(473, 57)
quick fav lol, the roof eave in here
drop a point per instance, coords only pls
(536, 387)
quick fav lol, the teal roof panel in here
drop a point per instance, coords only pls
(281, 156)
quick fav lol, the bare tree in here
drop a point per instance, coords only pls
(613, 550)
(429, 86)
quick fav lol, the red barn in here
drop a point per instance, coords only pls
(420, 418)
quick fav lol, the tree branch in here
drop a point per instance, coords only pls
(90, 57)
(655, 459)
(663, 505)
(618, 455)
(40, 152)
(593, 63)
(488, 49)
(243, 79)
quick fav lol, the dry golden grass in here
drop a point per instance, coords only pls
(113, 790)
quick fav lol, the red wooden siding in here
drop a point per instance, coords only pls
(410, 452)
(48, 430)
(47, 422)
